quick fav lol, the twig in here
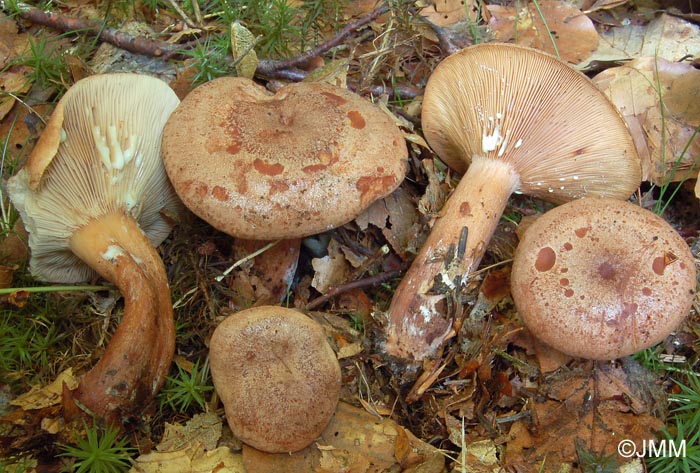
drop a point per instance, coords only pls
(343, 288)
(271, 66)
(134, 44)
(182, 13)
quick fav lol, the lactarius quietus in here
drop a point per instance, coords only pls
(516, 120)
(92, 197)
(263, 166)
(602, 278)
(277, 376)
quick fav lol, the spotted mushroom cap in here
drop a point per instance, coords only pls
(99, 153)
(276, 375)
(261, 166)
(562, 136)
(600, 278)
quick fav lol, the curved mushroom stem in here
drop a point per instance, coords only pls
(134, 365)
(417, 320)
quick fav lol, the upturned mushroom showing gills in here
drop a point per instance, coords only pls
(92, 196)
(512, 119)
(600, 278)
(276, 375)
(264, 166)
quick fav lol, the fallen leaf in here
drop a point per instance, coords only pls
(40, 397)
(590, 406)
(449, 12)
(330, 270)
(191, 448)
(365, 442)
(566, 26)
(666, 37)
(242, 48)
(667, 154)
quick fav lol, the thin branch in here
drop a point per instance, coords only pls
(134, 44)
(360, 283)
(286, 69)
(270, 66)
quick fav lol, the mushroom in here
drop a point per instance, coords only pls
(276, 375)
(516, 120)
(92, 197)
(263, 167)
(600, 278)
(259, 166)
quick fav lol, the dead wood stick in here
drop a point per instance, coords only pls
(280, 69)
(360, 283)
(270, 66)
(134, 44)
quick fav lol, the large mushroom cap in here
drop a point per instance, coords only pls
(261, 166)
(562, 136)
(277, 376)
(100, 153)
(601, 278)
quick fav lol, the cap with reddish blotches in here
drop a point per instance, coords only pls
(600, 278)
(277, 376)
(261, 166)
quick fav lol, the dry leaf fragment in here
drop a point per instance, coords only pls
(634, 88)
(449, 12)
(40, 397)
(365, 443)
(582, 406)
(12, 83)
(242, 43)
(330, 270)
(666, 37)
(573, 32)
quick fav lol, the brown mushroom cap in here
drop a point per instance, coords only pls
(601, 278)
(260, 166)
(277, 376)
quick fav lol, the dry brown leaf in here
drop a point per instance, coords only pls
(190, 460)
(449, 12)
(666, 37)
(634, 89)
(191, 448)
(265, 278)
(12, 83)
(593, 407)
(40, 397)
(396, 215)
(364, 442)
(573, 32)
(330, 270)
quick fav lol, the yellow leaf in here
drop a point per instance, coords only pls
(242, 43)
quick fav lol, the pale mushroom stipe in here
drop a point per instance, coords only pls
(277, 377)
(602, 278)
(92, 197)
(512, 119)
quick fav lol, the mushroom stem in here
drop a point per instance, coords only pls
(134, 365)
(417, 320)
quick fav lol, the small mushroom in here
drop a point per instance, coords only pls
(600, 278)
(513, 119)
(92, 197)
(277, 376)
(260, 166)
